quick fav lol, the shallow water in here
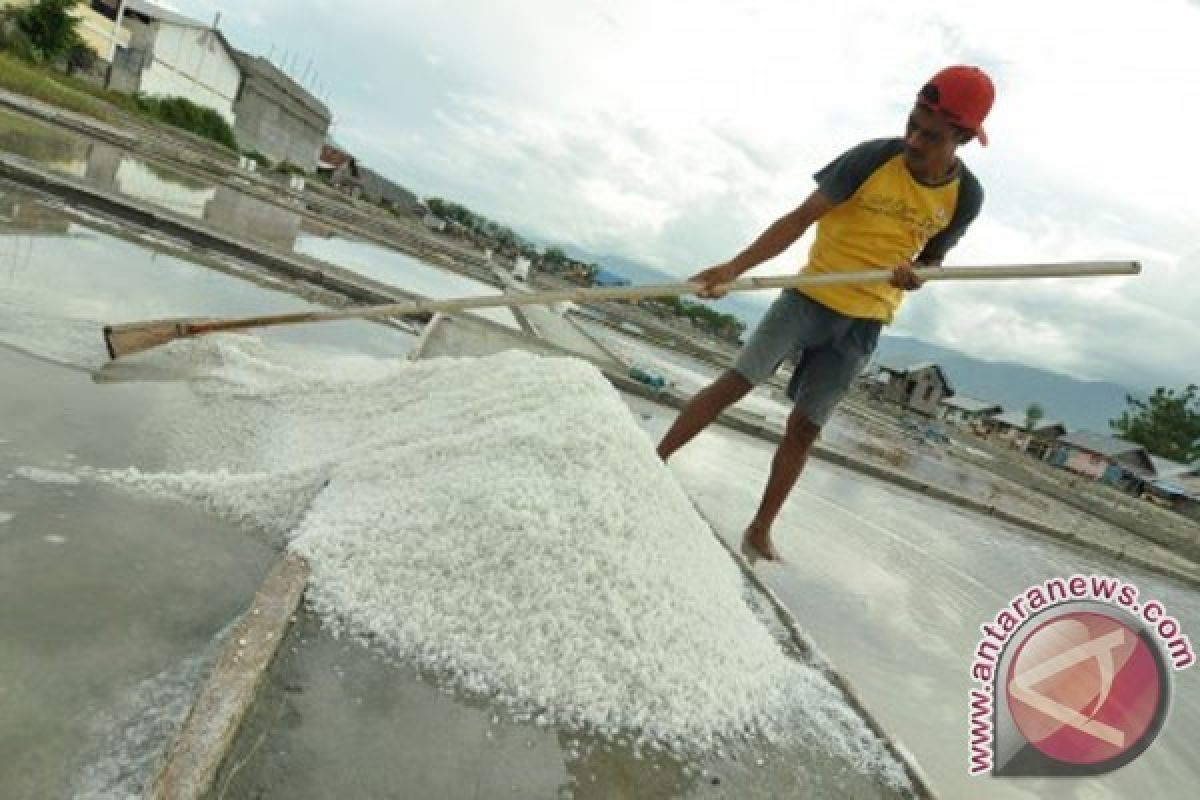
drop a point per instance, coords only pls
(401, 270)
(112, 169)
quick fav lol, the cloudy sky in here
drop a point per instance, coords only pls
(672, 133)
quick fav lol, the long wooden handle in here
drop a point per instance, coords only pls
(596, 294)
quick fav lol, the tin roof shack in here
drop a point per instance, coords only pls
(340, 168)
(278, 117)
(1104, 458)
(962, 410)
(1013, 427)
(170, 55)
(920, 387)
(1175, 486)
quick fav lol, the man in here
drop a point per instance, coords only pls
(886, 204)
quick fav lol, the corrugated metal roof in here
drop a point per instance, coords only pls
(1166, 468)
(162, 14)
(917, 368)
(1100, 444)
(1016, 419)
(970, 404)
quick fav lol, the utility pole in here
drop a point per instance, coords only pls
(112, 39)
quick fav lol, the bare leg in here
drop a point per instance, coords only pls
(786, 467)
(705, 406)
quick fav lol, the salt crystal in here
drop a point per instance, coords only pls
(504, 523)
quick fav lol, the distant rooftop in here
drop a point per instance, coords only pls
(162, 14)
(1100, 444)
(917, 368)
(1016, 419)
(970, 405)
(1166, 468)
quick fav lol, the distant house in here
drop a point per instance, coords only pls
(1013, 426)
(920, 387)
(603, 277)
(339, 167)
(171, 55)
(276, 116)
(1094, 455)
(963, 410)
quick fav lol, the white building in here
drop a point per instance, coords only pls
(170, 55)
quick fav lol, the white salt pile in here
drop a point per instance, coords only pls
(504, 522)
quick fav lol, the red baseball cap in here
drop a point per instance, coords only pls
(963, 94)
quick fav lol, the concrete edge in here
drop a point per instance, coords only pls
(189, 766)
(822, 662)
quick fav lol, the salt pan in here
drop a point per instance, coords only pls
(504, 523)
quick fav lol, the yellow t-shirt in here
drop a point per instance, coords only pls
(884, 217)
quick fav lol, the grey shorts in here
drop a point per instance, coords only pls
(829, 349)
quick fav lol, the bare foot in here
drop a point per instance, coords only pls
(756, 544)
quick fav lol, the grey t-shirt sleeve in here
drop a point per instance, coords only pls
(840, 178)
(970, 201)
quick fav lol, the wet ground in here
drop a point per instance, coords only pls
(339, 718)
(893, 587)
(111, 602)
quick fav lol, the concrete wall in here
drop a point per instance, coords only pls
(192, 63)
(274, 129)
(278, 118)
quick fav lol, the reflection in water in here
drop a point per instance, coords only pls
(111, 169)
(60, 282)
(402, 271)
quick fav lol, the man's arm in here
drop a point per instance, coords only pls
(782, 234)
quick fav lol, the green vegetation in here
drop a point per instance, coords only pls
(286, 167)
(43, 32)
(258, 158)
(1167, 423)
(501, 236)
(715, 322)
(42, 40)
(61, 90)
(183, 113)
(1033, 415)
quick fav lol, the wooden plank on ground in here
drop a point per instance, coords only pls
(191, 763)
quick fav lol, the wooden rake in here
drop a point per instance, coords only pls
(133, 337)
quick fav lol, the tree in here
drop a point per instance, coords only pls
(1167, 423)
(1033, 415)
(51, 28)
